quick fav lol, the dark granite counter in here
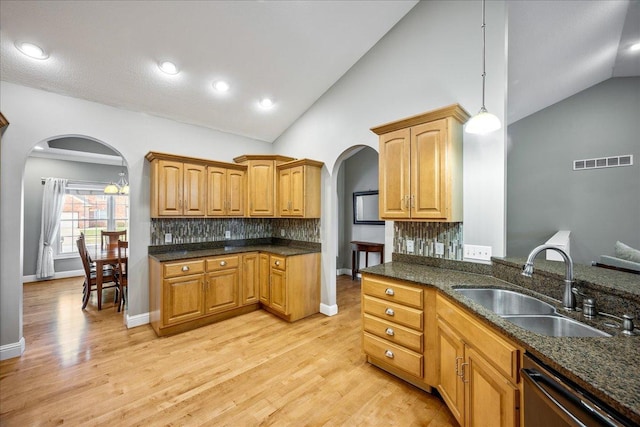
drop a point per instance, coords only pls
(606, 367)
(200, 250)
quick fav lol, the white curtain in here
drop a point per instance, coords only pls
(52, 203)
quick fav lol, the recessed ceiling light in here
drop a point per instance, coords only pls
(221, 86)
(168, 67)
(265, 103)
(31, 50)
(634, 47)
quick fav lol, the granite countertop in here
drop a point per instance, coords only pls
(607, 367)
(182, 254)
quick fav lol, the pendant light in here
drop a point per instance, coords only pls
(483, 122)
(121, 187)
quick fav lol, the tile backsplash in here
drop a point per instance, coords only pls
(425, 235)
(195, 230)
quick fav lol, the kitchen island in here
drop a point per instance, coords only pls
(606, 366)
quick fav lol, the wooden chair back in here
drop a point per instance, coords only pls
(84, 256)
(109, 239)
(123, 247)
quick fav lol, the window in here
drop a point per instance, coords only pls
(88, 210)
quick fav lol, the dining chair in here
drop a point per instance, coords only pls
(109, 239)
(90, 277)
(121, 273)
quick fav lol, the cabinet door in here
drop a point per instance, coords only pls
(236, 194)
(284, 192)
(490, 398)
(450, 385)
(170, 186)
(221, 290)
(297, 192)
(182, 299)
(216, 191)
(279, 290)
(250, 279)
(428, 170)
(261, 188)
(195, 190)
(394, 174)
(265, 278)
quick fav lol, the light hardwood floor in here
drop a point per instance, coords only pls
(86, 368)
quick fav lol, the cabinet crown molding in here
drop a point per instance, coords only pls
(276, 157)
(154, 155)
(453, 110)
(300, 162)
(3, 121)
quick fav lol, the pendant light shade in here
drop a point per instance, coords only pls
(483, 122)
(121, 187)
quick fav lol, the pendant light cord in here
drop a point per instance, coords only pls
(484, 73)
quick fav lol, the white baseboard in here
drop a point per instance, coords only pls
(9, 351)
(329, 310)
(59, 275)
(343, 272)
(137, 320)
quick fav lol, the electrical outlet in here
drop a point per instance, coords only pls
(282, 232)
(439, 248)
(478, 252)
(168, 238)
(410, 246)
(227, 234)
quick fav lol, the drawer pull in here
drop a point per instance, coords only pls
(389, 332)
(389, 312)
(223, 263)
(389, 292)
(389, 354)
(185, 268)
(277, 263)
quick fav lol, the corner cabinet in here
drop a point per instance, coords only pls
(420, 166)
(299, 189)
(261, 183)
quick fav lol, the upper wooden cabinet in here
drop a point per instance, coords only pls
(261, 179)
(226, 195)
(420, 166)
(299, 189)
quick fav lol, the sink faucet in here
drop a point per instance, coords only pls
(568, 299)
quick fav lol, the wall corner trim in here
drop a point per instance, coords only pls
(137, 320)
(329, 310)
(9, 351)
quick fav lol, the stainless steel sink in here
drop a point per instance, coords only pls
(504, 302)
(555, 326)
(529, 313)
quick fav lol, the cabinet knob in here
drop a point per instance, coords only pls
(223, 263)
(389, 332)
(389, 354)
(185, 268)
(389, 292)
(277, 263)
(389, 312)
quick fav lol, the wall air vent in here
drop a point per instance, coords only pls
(603, 162)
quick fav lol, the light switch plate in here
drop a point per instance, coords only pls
(410, 246)
(227, 234)
(168, 238)
(439, 248)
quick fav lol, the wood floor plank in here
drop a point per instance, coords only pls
(84, 367)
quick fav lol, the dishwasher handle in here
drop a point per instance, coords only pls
(535, 378)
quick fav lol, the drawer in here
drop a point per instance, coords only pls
(393, 332)
(393, 291)
(279, 262)
(395, 355)
(393, 312)
(222, 262)
(174, 269)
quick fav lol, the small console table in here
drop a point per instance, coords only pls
(366, 247)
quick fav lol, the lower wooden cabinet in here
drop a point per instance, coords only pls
(190, 293)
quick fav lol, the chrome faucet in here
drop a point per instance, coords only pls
(568, 299)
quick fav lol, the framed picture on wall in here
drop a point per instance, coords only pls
(365, 208)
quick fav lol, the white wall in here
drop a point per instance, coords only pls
(34, 116)
(430, 59)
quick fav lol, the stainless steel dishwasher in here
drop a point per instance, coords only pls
(551, 400)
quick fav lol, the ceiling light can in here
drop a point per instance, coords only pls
(31, 50)
(168, 67)
(266, 103)
(221, 86)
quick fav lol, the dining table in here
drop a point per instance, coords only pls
(108, 256)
